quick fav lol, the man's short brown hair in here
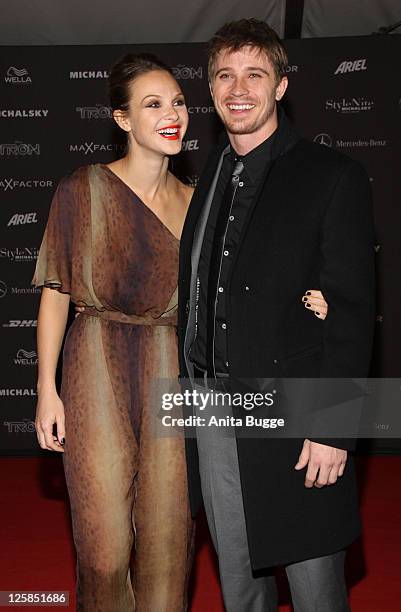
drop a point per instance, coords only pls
(234, 35)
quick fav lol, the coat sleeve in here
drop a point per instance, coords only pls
(347, 281)
(54, 263)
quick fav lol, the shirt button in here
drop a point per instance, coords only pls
(221, 289)
(226, 253)
(227, 363)
(241, 184)
(275, 361)
(231, 217)
(246, 288)
(224, 325)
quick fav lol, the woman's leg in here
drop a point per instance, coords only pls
(161, 515)
(100, 462)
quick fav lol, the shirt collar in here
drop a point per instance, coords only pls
(255, 161)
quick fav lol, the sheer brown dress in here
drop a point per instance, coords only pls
(127, 487)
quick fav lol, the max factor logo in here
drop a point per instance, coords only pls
(19, 113)
(353, 66)
(186, 72)
(92, 147)
(10, 184)
(21, 323)
(18, 219)
(19, 148)
(203, 110)
(89, 74)
(94, 112)
(352, 105)
(17, 76)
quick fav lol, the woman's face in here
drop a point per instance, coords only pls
(157, 117)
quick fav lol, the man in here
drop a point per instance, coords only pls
(273, 214)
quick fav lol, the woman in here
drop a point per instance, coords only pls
(111, 244)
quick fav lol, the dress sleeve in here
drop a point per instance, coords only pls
(54, 263)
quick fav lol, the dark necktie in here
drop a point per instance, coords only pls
(215, 260)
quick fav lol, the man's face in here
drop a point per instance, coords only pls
(245, 90)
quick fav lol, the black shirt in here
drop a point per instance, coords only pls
(255, 165)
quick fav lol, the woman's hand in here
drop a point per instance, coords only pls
(78, 310)
(313, 300)
(50, 410)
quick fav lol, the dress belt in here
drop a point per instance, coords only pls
(120, 317)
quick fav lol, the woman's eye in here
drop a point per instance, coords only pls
(154, 105)
(180, 102)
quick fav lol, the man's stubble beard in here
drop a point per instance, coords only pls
(237, 127)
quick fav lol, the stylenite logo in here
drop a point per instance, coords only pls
(17, 76)
(19, 254)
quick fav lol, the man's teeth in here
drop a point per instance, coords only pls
(168, 131)
(241, 106)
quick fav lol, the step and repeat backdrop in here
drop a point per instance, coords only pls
(55, 117)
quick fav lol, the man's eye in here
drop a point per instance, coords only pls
(254, 74)
(224, 75)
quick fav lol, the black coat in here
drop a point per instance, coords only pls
(311, 227)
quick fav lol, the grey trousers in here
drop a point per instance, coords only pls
(317, 585)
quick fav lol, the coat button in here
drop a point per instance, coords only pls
(246, 288)
(187, 307)
(275, 361)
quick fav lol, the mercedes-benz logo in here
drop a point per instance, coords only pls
(324, 139)
(3, 289)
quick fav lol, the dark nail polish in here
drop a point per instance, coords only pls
(308, 293)
(317, 313)
(304, 299)
(308, 305)
(62, 441)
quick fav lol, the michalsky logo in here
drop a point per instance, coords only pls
(349, 106)
(188, 72)
(89, 74)
(21, 323)
(17, 392)
(351, 66)
(93, 147)
(19, 254)
(201, 110)
(23, 113)
(26, 358)
(9, 184)
(19, 148)
(190, 145)
(17, 76)
(95, 112)
(23, 219)
(327, 140)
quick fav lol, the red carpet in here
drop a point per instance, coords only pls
(37, 551)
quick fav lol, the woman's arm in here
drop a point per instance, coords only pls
(52, 320)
